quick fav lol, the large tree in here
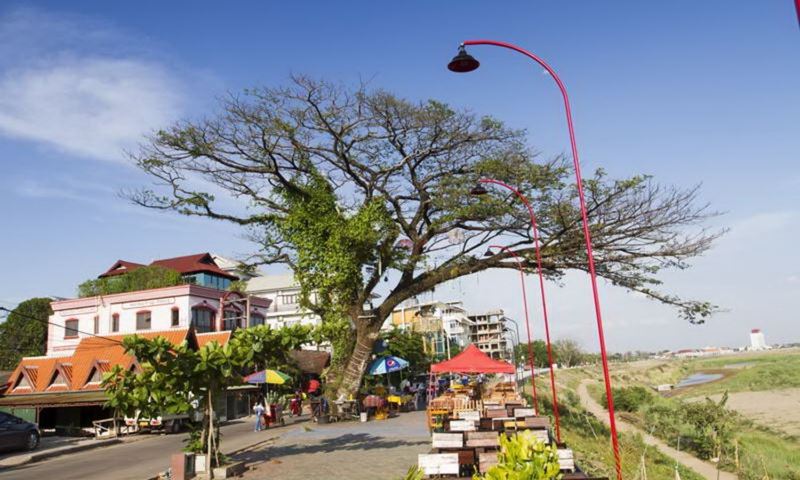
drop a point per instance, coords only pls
(343, 183)
(24, 333)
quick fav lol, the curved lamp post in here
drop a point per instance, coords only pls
(480, 190)
(527, 319)
(464, 62)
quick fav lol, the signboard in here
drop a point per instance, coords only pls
(148, 303)
(77, 311)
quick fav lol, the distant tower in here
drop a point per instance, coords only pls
(757, 341)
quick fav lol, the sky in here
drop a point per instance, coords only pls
(689, 92)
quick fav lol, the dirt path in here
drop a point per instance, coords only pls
(706, 469)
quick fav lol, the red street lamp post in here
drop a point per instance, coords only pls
(479, 190)
(462, 63)
(527, 319)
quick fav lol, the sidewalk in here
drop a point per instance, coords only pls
(373, 450)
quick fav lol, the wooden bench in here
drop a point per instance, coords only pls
(447, 440)
(483, 439)
(438, 463)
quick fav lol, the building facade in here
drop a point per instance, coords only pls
(62, 389)
(489, 332)
(445, 325)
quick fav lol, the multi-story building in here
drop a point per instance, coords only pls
(83, 338)
(283, 291)
(488, 331)
(443, 324)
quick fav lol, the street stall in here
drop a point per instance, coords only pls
(270, 377)
(467, 423)
(393, 402)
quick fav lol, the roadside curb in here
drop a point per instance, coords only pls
(35, 457)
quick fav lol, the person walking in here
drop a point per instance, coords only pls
(258, 409)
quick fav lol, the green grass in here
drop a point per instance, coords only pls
(588, 437)
(769, 371)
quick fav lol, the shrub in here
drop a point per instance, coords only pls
(524, 457)
(629, 399)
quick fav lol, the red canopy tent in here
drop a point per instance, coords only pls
(472, 360)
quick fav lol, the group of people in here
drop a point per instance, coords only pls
(263, 412)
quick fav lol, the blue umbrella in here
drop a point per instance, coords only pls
(387, 364)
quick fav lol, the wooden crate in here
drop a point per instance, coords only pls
(473, 415)
(536, 422)
(483, 439)
(447, 440)
(438, 463)
(524, 412)
(462, 426)
(485, 424)
(486, 460)
(496, 413)
(566, 460)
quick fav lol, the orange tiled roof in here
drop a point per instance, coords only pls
(92, 352)
(220, 337)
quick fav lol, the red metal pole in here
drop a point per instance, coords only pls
(527, 320)
(535, 229)
(586, 235)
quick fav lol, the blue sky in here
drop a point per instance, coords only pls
(686, 91)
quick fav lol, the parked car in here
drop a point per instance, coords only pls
(16, 433)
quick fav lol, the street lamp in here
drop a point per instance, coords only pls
(462, 63)
(479, 189)
(527, 319)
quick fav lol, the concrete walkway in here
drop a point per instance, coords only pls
(375, 450)
(706, 469)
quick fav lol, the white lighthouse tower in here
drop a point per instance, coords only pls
(757, 341)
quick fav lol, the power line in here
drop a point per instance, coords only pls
(48, 322)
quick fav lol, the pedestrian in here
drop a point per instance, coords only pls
(258, 409)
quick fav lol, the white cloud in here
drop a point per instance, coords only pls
(78, 96)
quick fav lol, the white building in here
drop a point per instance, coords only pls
(445, 324)
(284, 293)
(488, 331)
(757, 341)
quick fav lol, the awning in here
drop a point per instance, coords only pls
(55, 399)
(472, 360)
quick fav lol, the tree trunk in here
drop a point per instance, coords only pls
(347, 379)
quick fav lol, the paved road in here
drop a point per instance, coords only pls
(376, 450)
(137, 460)
(706, 469)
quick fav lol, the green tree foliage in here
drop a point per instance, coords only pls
(344, 184)
(629, 399)
(23, 336)
(142, 278)
(179, 379)
(568, 352)
(524, 457)
(539, 354)
(408, 346)
(704, 427)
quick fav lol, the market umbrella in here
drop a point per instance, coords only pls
(267, 376)
(387, 364)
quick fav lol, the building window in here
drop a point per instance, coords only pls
(203, 319)
(71, 328)
(143, 320)
(176, 318)
(231, 319)
(115, 322)
(96, 325)
(292, 299)
(256, 319)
